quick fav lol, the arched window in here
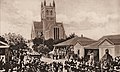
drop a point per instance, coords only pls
(47, 12)
(51, 12)
(78, 52)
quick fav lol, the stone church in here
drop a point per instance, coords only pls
(48, 27)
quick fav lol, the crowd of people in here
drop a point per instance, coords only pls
(81, 66)
(35, 65)
(71, 65)
(18, 63)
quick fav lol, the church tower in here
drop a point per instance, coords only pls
(48, 27)
(48, 17)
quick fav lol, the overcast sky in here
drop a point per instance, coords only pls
(92, 18)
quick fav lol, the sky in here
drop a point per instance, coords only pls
(92, 18)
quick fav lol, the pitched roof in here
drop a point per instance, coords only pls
(114, 39)
(92, 46)
(81, 40)
(71, 41)
(85, 41)
(3, 45)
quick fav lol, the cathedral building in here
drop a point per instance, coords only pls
(48, 27)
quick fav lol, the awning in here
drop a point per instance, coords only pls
(3, 45)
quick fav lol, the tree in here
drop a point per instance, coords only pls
(49, 43)
(17, 44)
(2, 39)
(62, 40)
(37, 41)
(71, 36)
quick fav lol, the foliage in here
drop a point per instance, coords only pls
(15, 41)
(17, 44)
(44, 46)
(37, 41)
(71, 36)
(49, 43)
(2, 39)
(62, 40)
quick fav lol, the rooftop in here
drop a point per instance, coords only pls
(114, 39)
(82, 40)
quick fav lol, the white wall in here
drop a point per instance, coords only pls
(106, 45)
(80, 48)
(117, 50)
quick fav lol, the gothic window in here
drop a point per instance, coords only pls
(47, 12)
(78, 52)
(56, 33)
(51, 12)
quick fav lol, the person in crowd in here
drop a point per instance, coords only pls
(91, 60)
(7, 66)
(1, 63)
(106, 61)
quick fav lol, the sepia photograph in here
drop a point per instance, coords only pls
(59, 35)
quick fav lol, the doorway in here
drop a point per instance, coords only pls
(87, 54)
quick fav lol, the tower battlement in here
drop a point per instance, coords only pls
(50, 28)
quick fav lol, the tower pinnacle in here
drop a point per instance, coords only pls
(41, 4)
(44, 2)
(53, 3)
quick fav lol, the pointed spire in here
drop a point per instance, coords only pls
(53, 3)
(41, 4)
(44, 2)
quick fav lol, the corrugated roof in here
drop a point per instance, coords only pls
(68, 42)
(93, 45)
(85, 41)
(82, 40)
(115, 39)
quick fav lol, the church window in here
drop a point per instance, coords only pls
(47, 12)
(56, 33)
(51, 12)
(78, 52)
